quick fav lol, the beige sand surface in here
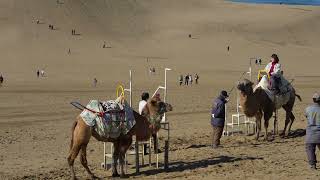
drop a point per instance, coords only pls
(35, 114)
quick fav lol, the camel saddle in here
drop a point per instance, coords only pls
(117, 117)
(280, 98)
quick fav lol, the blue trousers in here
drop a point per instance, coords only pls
(311, 152)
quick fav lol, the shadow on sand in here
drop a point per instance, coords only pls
(297, 133)
(180, 166)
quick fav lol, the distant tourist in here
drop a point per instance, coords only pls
(313, 130)
(42, 73)
(95, 82)
(38, 73)
(38, 22)
(196, 78)
(181, 80)
(190, 36)
(152, 70)
(186, 80)
(228, 48)
(69, 51)
(190, 79)
(1, 79)
(218, 117)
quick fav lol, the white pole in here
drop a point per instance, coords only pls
(165, 89)
(130, 86)
(104, 155)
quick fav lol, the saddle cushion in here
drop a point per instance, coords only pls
(118, 118)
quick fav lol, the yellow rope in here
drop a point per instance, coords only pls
(120, 91)
(261, 73)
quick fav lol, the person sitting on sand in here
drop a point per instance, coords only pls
(313, 130)
(218, 117)
(274, 70)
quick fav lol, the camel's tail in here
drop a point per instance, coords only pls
(72, 130)
(298, 96)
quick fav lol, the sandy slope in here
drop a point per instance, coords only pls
(35, 115)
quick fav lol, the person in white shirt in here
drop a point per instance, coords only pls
(274, 70)
(274, 67)
(42, 73)
(143, 102)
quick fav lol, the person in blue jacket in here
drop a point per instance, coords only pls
(313, 130)
(218, 117)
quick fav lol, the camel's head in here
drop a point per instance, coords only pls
(245, 87)
(154, 111)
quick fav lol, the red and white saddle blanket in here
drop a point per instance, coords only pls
(117, 117)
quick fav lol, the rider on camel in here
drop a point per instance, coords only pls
(274, 71)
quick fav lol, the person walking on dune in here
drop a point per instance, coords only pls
(313, 130)
(218, 117)
(181, 80)
(1, 79)
(38, 73)
(190, 79)
(196, 78)
(186, 80)
(95, 82)
(42, 72)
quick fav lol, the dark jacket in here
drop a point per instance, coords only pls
(218, 109)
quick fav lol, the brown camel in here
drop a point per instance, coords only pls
(81, 134)
(257, 104)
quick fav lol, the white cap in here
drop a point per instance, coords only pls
(316, 96)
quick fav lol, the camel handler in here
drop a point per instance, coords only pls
(142, 104)
(313, 130)
(218, 117)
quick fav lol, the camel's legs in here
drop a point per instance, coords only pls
(72, 156)
(267, 115)
(275, 123)
(122, 163)
(258, 122)
(124, 146)
(84, 162)
(292, 118)
(286, 124)
(116, 152)
(266, 124)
